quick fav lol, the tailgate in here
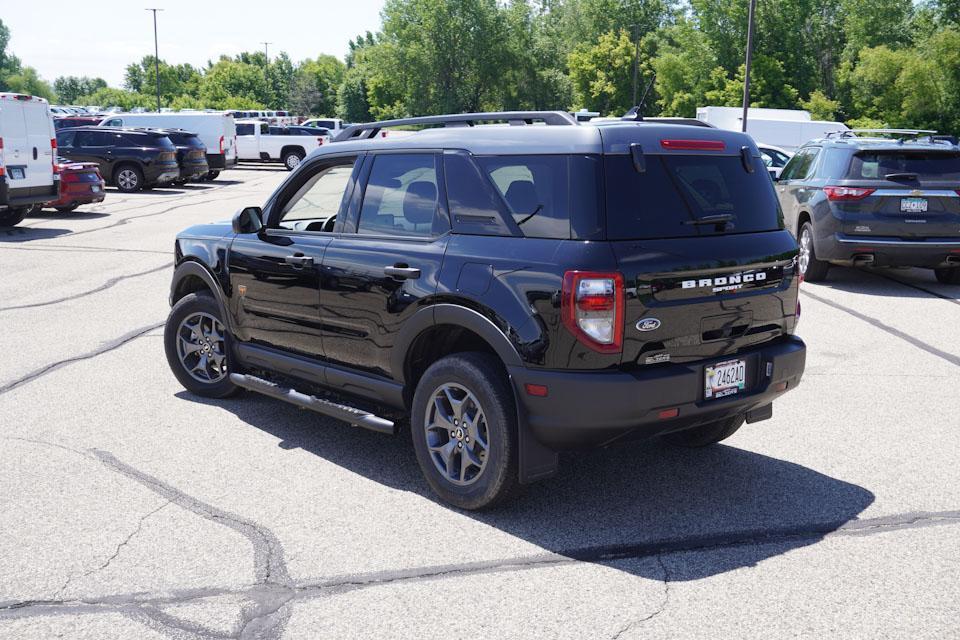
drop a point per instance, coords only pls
(903, 213)
(706, 297)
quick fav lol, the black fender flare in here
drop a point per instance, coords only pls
(195, 268)
(454, 314)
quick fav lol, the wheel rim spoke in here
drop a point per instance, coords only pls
(456, 433)
(201, 347)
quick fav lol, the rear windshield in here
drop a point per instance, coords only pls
(877, 165)
(678, 190)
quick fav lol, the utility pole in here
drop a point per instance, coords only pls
(746, 74)
(156, 55)
(266, 51)
(636, 61)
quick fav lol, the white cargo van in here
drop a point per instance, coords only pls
(788, 129)
(28, 159)
(216, 131)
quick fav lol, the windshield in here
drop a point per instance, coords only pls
(678, 193)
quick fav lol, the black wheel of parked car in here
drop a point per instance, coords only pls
(68, 208)
(292, 159)
(212, 175)
(464, 430)
(128, 178)
(195, 341)
(706, 434)
(948, 275)
(812, 269)
(13, 217)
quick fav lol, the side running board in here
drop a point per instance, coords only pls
(354, 416)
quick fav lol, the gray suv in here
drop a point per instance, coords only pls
(875, 201)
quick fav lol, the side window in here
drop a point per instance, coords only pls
(473, 204)
(90, 139)
(315, 204)
(799, 165)
(245, 129)
(115, 122)
(65, 139)
(401, 196)
(264, 129)
(535, 189)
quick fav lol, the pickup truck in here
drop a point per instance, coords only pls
(256, 142)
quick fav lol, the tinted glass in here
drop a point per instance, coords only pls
(278, 131)
(474, 205)
(318, 199)
(929, 165)
(541, 191)
(65, 139)
(93, 139)
(799, 166)
(677, 190)
(244, 129)
(401, 196)
(264, 129)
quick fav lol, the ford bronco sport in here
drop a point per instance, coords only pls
(506, 291)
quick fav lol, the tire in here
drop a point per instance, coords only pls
(948, 275)
(128, 178)
(68, 208)
(292, 159)
(707, 434)
(812, 269)
(466, 382)
(13, 217)
(201, 364)
(211, 175)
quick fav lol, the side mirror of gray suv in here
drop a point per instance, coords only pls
(248, 220)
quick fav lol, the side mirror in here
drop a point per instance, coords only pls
(248, 220)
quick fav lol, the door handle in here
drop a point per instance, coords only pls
(402, 272)
(299, 260)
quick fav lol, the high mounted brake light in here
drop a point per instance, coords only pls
(693, 145)
(592, 309)
(842, 194)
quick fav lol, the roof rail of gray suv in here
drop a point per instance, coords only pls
(370, 129)
(901, 133)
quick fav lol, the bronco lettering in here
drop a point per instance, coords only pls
(724, 281)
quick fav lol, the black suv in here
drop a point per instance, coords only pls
(131, 159)
(506, 291)
(191, 154)
(875, 201)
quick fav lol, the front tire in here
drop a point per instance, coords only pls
(211, 175)
(706, 434)
(128, 178)
(13, 217)
(196, 343)
(812, 269)
(464, 430)
(948, 275)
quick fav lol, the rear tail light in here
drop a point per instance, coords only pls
(592, 309)
(3, 171)
(72, 177)
(221, 144)
(53, 155)
(693, 145)
(841, 194)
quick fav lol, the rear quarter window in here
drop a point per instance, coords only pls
(677, 190)
(244, 129)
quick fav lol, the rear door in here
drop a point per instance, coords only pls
(275, 274)
(39, 157)
(910, 194)
(386, 260)
(793, 190)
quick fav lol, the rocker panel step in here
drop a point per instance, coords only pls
(356, 417)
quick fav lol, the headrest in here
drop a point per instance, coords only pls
(420, 202)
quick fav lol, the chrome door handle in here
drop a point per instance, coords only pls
(402, 273)
(299, 261)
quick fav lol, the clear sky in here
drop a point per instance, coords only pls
(70, 38)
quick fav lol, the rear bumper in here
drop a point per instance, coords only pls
(194, 170)
(218, 161)
(841, 248)
(27, 196)
(591, 408)
(161, 173)
(77, 193)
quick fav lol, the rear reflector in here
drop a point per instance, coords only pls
(841, 194)
(666, 414)
(537, 390)
(693, 145)
(780, 386)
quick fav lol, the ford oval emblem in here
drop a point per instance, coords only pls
(648, 324)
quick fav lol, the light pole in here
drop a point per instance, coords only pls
(156, 55)
(636, 60)
(266, 51)
(746, 72)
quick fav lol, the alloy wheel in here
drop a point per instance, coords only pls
(806, 247)
(201, 347)
(457, 436)
(127, 179)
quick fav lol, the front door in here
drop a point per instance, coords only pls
(275, 274)
(385, 262)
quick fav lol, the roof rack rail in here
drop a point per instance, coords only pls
(371, 129)
(902, 133)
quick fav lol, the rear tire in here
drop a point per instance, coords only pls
(13, 217)
(211, 175)
(196, 343)
(812, 269)
(128, 178)
(292, 159)
(948, 275)
(464, 430)
(68, 208)
(706, 434)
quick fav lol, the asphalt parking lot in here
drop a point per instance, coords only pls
(131, 509)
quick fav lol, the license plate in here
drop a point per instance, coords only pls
(94, 188)
(913, 205)
(724, 378)
(17, 173)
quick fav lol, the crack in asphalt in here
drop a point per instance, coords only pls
(660, 609)
(50, 368)
(270, 598)
(81, 249)
(920, 344)
(106, 285)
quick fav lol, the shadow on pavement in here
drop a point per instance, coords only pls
(888, 282)
(77, 214)
(639, 499)
(26, 234)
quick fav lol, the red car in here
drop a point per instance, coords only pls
(80, 183)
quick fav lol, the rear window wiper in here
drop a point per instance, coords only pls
(535, 212)
(719, 218)
(900, 176)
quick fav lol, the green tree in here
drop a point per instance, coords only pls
(111, 97)
(534, 77)
(820, 106)
(229, 84)
(768, 87)
(684, 67)
(322, 77)
(602, 74)
(29, 82)
(874, 23)
(352, 104)
(70, 88)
